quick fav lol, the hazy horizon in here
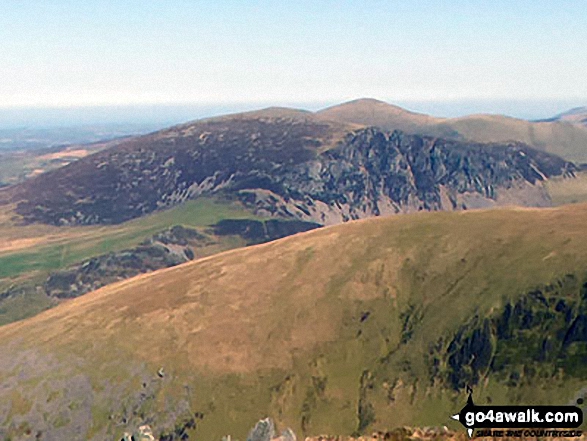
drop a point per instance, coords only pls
(146, 53)
(167, 114)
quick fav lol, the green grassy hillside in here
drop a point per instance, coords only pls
(28, 253)
(367, 325)
(77, 246)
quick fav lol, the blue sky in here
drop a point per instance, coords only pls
(90, 52)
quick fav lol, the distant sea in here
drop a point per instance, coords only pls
(165, 115)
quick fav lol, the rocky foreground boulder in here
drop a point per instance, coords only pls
(264, 430)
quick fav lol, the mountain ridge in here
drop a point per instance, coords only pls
(303, 167)
(553, 135)
(335, 330)
(576, 115)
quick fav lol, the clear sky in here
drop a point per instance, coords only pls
(91, 52)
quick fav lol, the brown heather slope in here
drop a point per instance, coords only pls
(288, 163)
(561, 138)
(372, 112)
(332, 331)
(322, 132)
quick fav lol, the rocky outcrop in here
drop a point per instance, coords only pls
(264, 430)
(286, 167)
(166, 249)
(287, 435)
(143, 433)
(542, 335)
(375, 173)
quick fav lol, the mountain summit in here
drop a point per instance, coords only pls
(291, 164)
(372, 112)
(553, 136)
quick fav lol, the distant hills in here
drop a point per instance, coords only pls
(35, 138)
(369, 325)
(371, 112)
(292, 164)
(578, 115)
(358, 327)
(556, 135)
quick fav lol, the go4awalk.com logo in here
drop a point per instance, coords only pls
(529, 421)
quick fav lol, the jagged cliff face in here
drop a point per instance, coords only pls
(292, 166)
(375, 173)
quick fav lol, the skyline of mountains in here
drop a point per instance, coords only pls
(292, 163)
(162, 115)
(125, 300)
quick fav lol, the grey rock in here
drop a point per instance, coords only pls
(264, 431)
(287, 435)
(284, 171)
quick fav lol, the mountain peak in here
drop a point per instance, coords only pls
(576, 115)
(373, 112)
(365, 104)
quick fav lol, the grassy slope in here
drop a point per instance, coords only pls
(73, 244)
(567, 190)
(279, 329)
(30, 252)
(564, 139)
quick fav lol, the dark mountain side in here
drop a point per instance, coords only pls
(294, 165)
(169, 167)
(563, 135)
(376, 173)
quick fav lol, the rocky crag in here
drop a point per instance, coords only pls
(291, 166)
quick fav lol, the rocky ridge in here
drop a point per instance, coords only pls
(297, 167)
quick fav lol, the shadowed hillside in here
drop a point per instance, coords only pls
(287, 163)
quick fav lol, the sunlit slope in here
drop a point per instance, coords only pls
(566, 140)
(332, 331)
(558, 137)
(30, 253)
(372, 112)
